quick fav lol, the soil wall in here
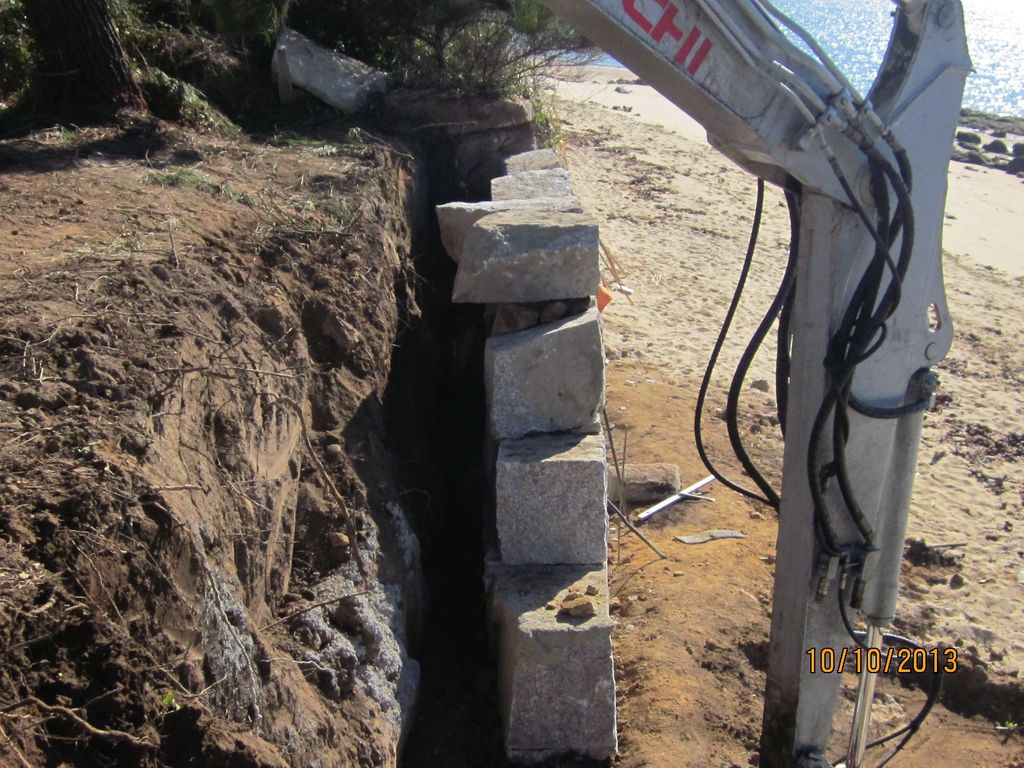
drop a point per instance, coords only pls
(205, 553)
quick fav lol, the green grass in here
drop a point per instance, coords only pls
(317, 146)
(549, 125)
(292, 140)
(180, 177)
(184, 177)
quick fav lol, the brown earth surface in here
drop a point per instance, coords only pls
(178, 313)
(186, 323)
(691, 640)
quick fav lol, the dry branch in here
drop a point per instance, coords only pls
(81, 722)
(14, 748)
(314, 606)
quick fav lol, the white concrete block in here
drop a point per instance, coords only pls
(550, 500)
(556, 675)
(527, 255)
(550, 182)
(546, 379)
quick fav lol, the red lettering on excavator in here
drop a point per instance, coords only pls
(667, 25)
(691, 41)
(698, 59)
(635, 15)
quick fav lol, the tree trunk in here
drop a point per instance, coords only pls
(83, 66)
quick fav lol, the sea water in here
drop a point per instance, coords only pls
(855, 33)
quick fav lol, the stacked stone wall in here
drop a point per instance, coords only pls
(532, 256)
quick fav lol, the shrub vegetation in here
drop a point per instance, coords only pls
(217, 48)
(465, 45)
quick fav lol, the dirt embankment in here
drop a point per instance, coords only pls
(196, 338)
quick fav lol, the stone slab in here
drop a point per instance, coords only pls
(478, 157)
(454, 114)
(528, 254)
(335, 79)
(550, 500)
(645, 483)
(456, 219)
(556, 677)
(546, 379)
(551, 182)
(537, 160)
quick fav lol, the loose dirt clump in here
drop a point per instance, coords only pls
(195, 338)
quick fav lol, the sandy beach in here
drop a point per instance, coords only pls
(676, 214)
(983, 210)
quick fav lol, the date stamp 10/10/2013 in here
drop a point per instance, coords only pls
(877, 660)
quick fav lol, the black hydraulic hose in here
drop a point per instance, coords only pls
(905, 168)
(849, 345)
(874, 412)
(861, 325)
(858, 315)
(826, 531)
(794, 201)
(858, 318)
(870, 323)
(901, 181)
(855, 329)
(717, 350)
(864, 330)
(783, 361)
(839, 437)
(735, 388)
(844, 614)
(855, 203)
(893, 293)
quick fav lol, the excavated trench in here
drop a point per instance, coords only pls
(435, 415)
(212, 424)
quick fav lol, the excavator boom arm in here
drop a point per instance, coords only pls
(868, 313)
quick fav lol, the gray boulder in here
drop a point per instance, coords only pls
(551, 182)
(456, 219)
(556, 676)
(550, 493)
(537, 160)
(335, 79)
(547, 379)
(528, 254)
(645, 483)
